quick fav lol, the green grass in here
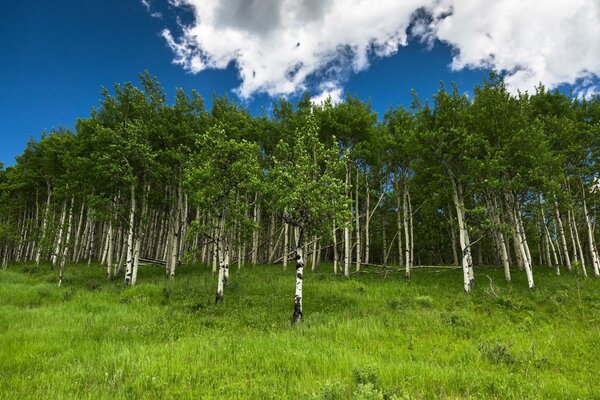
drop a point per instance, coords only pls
(367, 337)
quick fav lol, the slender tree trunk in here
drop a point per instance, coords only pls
(520, 239)
(297, 316)
(367, 221)
(399, 219)
(222, 251)
(255, 234)
(130, 251)
(59, 239)
(453, 237)
(406, 223)
(66, 246)
(578, 242)
(335, 249)
(561, 234)
(590, 232)
(286, 240)
(109, 251)
(91, 243)
(42, 243)
(503, 247)
(78, 232)
(139, 237)
(314, 254)
(463, 234)
(357, 215)
(176, 231)
(347, 244)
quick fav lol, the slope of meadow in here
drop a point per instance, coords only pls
(367, 337)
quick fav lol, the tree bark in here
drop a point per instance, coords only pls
(129, 267)
(463, 234)
(66, 246)
(297, 316)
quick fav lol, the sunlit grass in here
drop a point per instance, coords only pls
(370, 335)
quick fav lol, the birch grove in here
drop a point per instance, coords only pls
(509, 181)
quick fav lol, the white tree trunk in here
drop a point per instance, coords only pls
(78, 232)
(109, 251)
(367, 221)
(286, 246)
(500, 238)
(463, 234)
(139, 237)
(563, 238)
(335, 249)
(357, 215)
(66, 246)
(590, 233)
(222, 253)
(407, 236)
(347, 245)
(297, 316)
(520, 239)
(399, 220)
(41, 245)
(453, 237)
(578, 242)
(129, 267)
(255, 234)
(59, 239)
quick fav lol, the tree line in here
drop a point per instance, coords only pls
(491, 179)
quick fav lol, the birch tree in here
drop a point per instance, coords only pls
(307, 187)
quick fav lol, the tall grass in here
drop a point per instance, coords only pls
(370, 336)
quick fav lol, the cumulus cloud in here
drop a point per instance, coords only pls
(329, 91)
(552, 42)
(281, 47)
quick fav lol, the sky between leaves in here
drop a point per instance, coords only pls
(56, 55)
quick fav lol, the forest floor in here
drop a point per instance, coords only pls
(367, 337)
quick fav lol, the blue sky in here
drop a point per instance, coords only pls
(55, 56)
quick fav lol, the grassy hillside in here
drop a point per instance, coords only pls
(367, 337)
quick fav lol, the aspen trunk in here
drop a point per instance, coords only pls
(109, 251)
(139, 237)
(42, 243)
(563, 238)
(297, 316)
(347, 244)
(335, 249)
(130, 234)
(463, 233)
(78, 232)
(453, 237)
(520, 238)
(399, 219)
(286, 239)
(590, 233)
(255, 234)
(357, 214)
(406, 223)
(66, 246)
(578, 242)
(503, 247)
(59, 239)
(176, 233)
(222, 252)
(314, 254)
(367, 221)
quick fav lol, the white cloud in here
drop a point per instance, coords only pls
(533, 41)
(278, 46)
(331, 91)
